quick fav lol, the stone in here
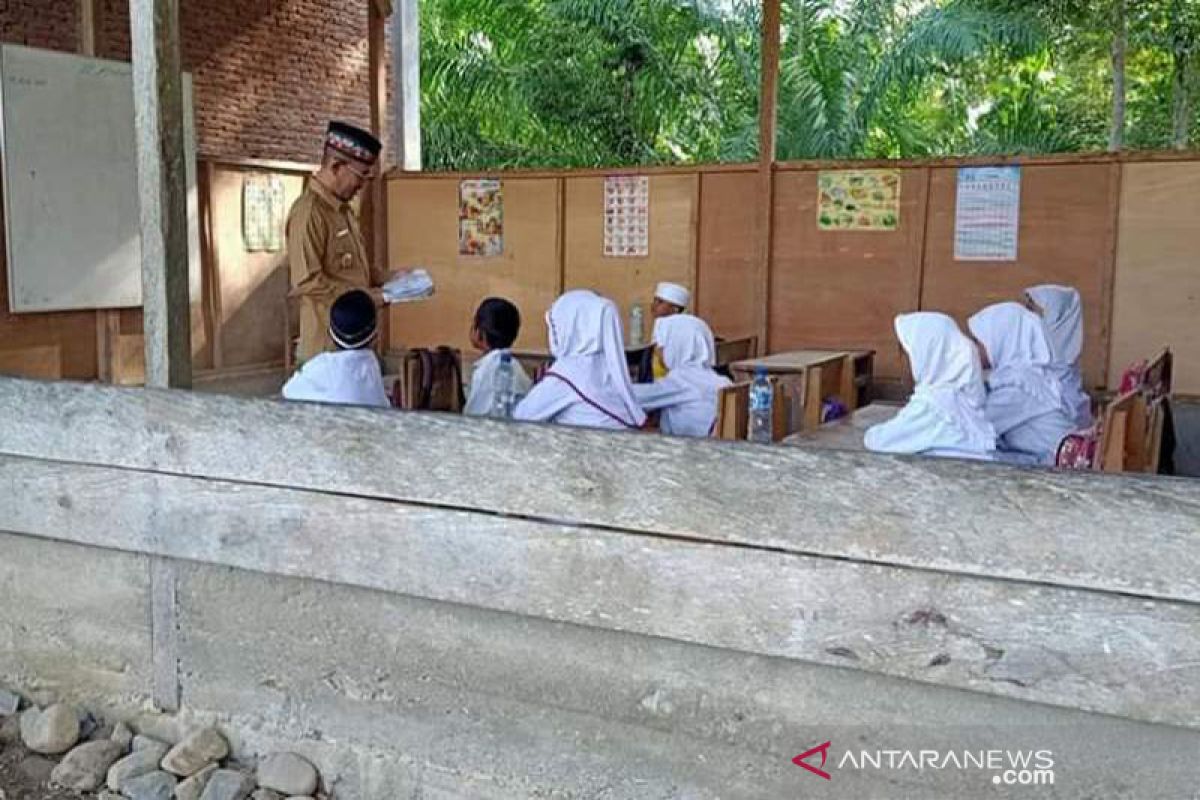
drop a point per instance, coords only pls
(288, 773)
(84, 768)
(162, 727)
(107, 795)
(9, 703)
(36, 769)
(10, 730)
(266, 794)
(228, 784)
(157, 785)
(52, 731)
(123, 736)
(193, 787)
(196, 752)
(141, 742)
(139, 762)
(88, 724)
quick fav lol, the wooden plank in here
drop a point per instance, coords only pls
(41, 361)
(424, 232)
(1156, 295)
(1079, 649)
(162, 188)
(841, 290)
(375, 196)
(630, 280)
(1064, 238)
(1108, 273)
(210, 268)
(729, 277)
(1068, 529)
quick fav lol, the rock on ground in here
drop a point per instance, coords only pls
(139, 762)
(196, 752)
(266, 794)
(52, 731)
(123, 736)
(193, 787)
(228, 784)
(288, 773)
(9, 702)
(84, 768)
(157, 785)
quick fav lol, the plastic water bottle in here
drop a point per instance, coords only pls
(636, 338)
(761, 398)
(505, 399)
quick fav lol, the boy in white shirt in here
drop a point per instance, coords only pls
(497, 323)
(351, 375)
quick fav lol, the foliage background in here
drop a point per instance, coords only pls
(573, 83)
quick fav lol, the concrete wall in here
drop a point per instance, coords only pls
(516, 646)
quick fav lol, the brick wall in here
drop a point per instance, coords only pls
(268, 74)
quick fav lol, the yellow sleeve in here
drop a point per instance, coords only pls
(307, 235)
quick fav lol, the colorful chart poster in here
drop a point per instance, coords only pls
(859, 200)
(627, 216)
(480, 218)
(987, 214)
(262, 213)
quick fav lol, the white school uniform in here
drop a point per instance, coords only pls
(687, 396)
(347, 377)
(1024, 399)
(481, 396)
(1062, 319)
(588, 384)
(944, 416)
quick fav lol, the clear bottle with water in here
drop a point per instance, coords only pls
(761, 399)
(636, 326)
(503, 393)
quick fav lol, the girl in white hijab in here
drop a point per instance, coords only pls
(1061, 313)
(688, 394)
(588, 385)
(1024, 401)
(944, 416)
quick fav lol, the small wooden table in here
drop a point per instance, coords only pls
(846, 433)
(809, 376)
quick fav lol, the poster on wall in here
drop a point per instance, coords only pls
(480, 218)
(987, 214)
(858, 200)
(627, 216)
(262, 213)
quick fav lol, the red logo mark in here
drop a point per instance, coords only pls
(823, 749)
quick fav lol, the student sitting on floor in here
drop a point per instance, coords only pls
(497, 323)
(687, 395)
(944, 416)
(1061, 312)
(350, 375)
(588, 385)
(1024, 402)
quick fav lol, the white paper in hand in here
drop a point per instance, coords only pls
(407, 286)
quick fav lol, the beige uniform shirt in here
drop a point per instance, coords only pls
(327, 256)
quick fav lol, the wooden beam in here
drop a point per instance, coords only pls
(375, 201)
(767, 113)
(162, 187)
(90, 23)
(406, 61)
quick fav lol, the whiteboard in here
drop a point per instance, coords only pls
(70, 182)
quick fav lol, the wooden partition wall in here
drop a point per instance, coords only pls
(1086, 221)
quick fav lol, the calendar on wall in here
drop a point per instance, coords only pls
(627, 216)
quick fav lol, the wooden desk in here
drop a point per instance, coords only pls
(809, 376)
(846, 433)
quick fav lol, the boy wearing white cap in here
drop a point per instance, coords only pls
(669, 298)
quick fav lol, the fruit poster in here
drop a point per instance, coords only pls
(480, 218)
(627, 216)
(987, 214)
(859, 200)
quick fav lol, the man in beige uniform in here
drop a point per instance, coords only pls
(326, 251)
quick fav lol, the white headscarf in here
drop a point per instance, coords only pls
(1062, 318)
(589, 358)
(688, 349)
(348, 377)
(688, 394)
(1062, 315)
(945, 414)
(1019, 352)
